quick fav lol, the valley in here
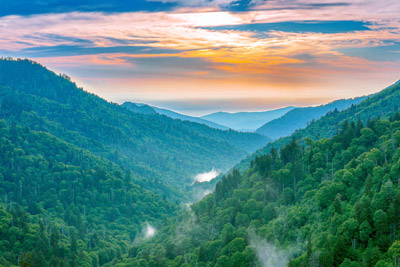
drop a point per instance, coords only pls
(199, 133)
(88, 182)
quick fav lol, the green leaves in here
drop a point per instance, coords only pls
(81, 197)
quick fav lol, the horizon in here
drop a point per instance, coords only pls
(232, 111)
(198, 57)
(246, 111)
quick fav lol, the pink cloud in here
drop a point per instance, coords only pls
(238, 61)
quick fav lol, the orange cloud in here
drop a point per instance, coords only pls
(242, 63)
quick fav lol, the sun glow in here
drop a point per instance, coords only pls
(189, 53)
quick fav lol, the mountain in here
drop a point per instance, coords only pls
(63, 206)
(299, 117)
(146, 109)
(383, 104)
(139, 108)
(81, 178)
(164, 154)
(334, 201)
(246, 121)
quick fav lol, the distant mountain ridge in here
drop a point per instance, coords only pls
(246, 121)
(147, 109)
(381, 104)
(139, 108)
(299, 117)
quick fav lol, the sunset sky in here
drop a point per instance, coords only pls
(200, 56)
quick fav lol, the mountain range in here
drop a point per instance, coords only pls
(86, 182)
(299, 117)
(88, 168)
(382, 104)
(146, 109)
(170, 151)
(246, 121)
(326, 196)
(274, 123)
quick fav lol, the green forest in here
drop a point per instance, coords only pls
(164, 153)
(80, 178)
(82, 181)
(58, 200)
(330, 202)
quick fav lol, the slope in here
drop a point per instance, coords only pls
(382, 104)
(146, 109)
(159, 150)
(299, 117)
(332, 202)
(246, 121)
(61, 203)
(139, 108)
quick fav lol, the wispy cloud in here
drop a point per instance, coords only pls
(204, 49)
(32, 7)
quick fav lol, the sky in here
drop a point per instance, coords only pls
(202, 56)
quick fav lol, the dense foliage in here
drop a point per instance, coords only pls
(139, 108)
(74, 194)
(158, 149)
(80, 178)
(332, 202)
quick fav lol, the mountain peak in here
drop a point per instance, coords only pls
(144, 109)
(246, 120)
(139, 108)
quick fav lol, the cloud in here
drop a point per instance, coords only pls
(385, 53)
(31, 7)
(197, 51)
(239, 5)
(336, 26)
(75, 50)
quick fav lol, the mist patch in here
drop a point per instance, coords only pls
(269, 255)
(206, 176)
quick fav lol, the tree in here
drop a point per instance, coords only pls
(349, 263)
(394, 252)
(365, 231)
(26, 260)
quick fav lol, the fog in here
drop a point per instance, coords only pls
(269, 255)
(150, 231)
(206, 176)
(198, 194)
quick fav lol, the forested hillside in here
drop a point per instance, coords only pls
(139, 108)
(382, 104)
(81, 178)
(159, 150)
(299, 118)
(63, 206)
(330, 202)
